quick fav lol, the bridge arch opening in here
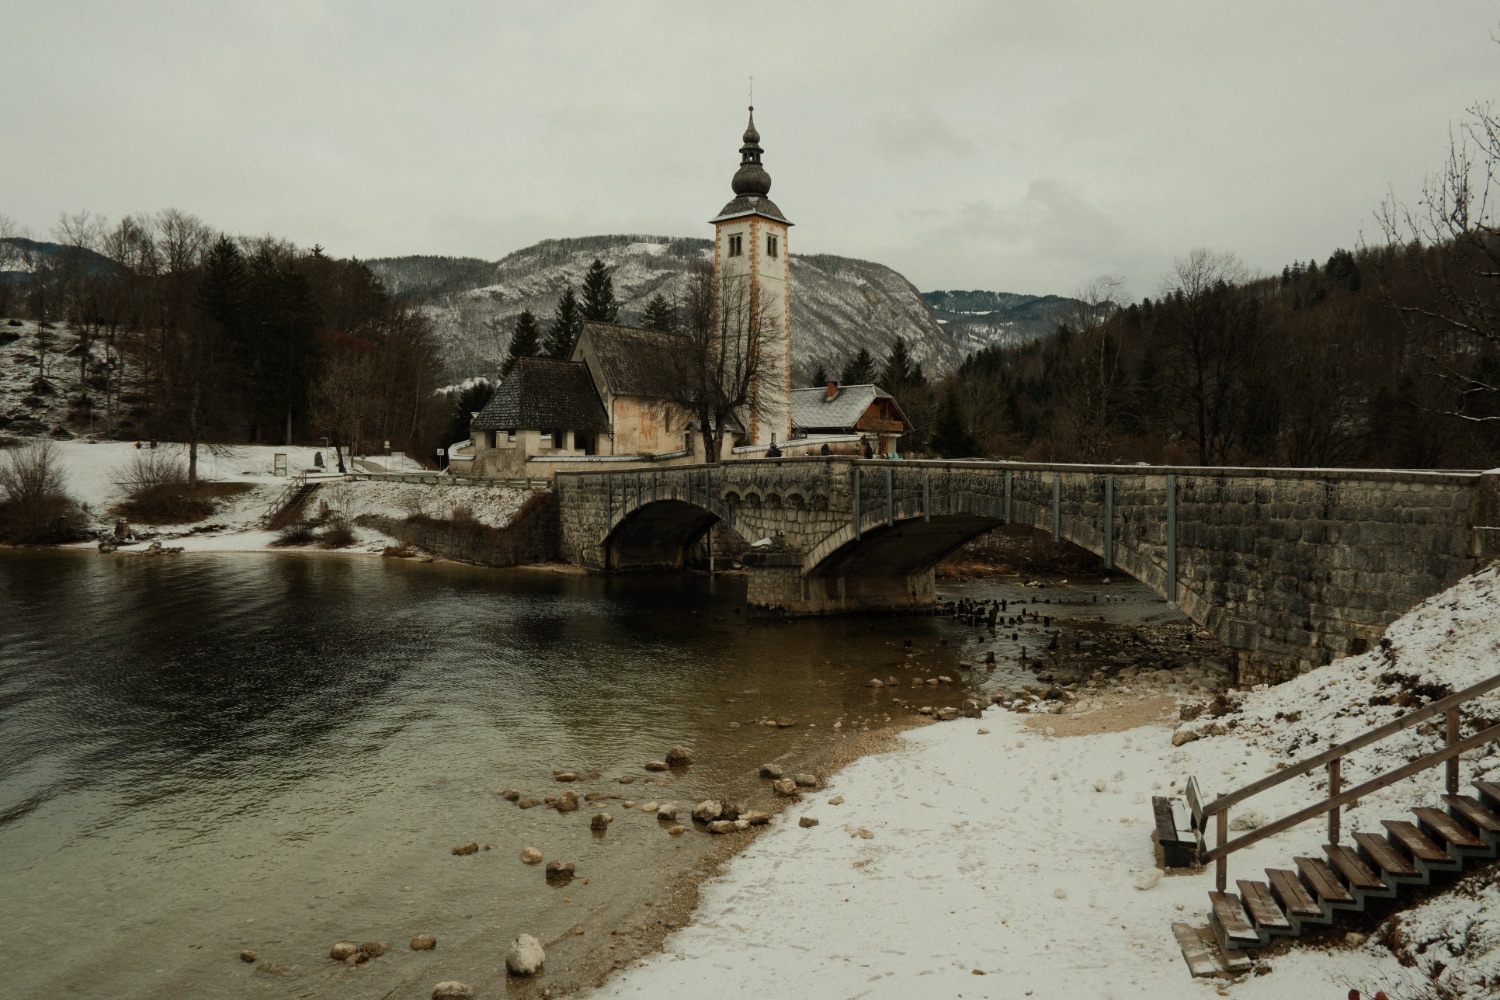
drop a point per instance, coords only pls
(664, 534)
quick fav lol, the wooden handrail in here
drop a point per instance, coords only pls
(1352, 794)
(1337, 795)
(1343, 749)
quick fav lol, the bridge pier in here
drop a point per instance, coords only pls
(776, 582)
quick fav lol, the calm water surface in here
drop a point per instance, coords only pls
(209, 753)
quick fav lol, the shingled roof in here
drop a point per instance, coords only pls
(813, 412)
(544, 394)
(636, 362)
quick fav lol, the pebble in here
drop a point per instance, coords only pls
(677, 830)
(785, 786)
(451, 990)
(423, 942)
(568, 803)
(565, 775)
(679, 757)
(626, 779)
(807, 821)
(559, 871)
(470, 848)
(269, 968)
(708, 810)
(771, 771)
(510, 794)
(658, 765)
(342, 950)
(667, 811)
(601, 822)
(837, 800)
(249, 956)
(529, 803)
(628, 804)
(756, 817)
(805, 780)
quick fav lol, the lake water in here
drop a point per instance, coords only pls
(208, 753)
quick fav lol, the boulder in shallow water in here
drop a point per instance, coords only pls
(667, 811)
(511, 795)
(658, 765)
(568, 803)
(679, 757)
(342, 950)
(805, 780)
(423, 942)
(531, 855)
(772, 771)
(721, 826)
(249, 956)
(525, 956)
(559, 871)
(708, 810)
(756, 817)
(784, 786)
(677, 830)
(600, 822)
(529, 803)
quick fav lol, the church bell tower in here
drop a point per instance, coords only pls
(752, 289)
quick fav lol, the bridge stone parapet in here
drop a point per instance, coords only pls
(1291, 567)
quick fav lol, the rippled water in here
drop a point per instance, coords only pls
(209, 753)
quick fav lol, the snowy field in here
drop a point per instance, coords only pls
(997, 860)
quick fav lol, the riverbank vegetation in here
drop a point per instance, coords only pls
(159, 327)
(35, 506)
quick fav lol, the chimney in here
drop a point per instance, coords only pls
(833, 391)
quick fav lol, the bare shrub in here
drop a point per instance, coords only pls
(463, 514)
(294, 535)
(337, 535)
(34, 503)
(147, 469)
(402, 551)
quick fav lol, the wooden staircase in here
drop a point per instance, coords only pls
(1374, 867)
(1430, 843)
(289, 502)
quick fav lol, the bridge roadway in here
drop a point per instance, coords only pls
(1290, 567)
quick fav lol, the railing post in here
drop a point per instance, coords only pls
(1335, 782)
(854, 475)
(1452, 738)
(890, 497)
(1172, 540)
(1056, 508)
(1221, 867)
(1109, 522)
(1006, 514)
(609, 501)
(927, 494)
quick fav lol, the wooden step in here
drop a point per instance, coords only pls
(1416, 843)
(1355, 873)
(1480, 818)
(1264, 912)
(1489, 792)
(1230, 923)
(1453, 833)
(1323, 883)
(1385, 857)
(1293, 895)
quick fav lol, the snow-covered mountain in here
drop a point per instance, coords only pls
(838, 304)
(975, 320)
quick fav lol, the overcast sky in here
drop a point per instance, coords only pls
(1027, 147)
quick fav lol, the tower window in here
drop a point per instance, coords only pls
(736, 245)
(773, 246)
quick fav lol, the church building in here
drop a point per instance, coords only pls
(618, 401)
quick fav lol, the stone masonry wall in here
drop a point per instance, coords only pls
(531, 538)
(1290, 567)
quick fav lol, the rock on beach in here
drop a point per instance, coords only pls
(451, 990)
(525, 956)
(423, 942)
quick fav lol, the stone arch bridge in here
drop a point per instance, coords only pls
(1290, 567)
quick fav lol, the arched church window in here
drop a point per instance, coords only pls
(773, 246)
(736, 245)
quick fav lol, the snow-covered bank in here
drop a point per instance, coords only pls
(1014, 863)
(92, 471)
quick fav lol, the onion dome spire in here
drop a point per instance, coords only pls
(751, 178)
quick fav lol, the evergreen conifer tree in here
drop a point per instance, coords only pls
(897, 367)
(659, 315)
(567, 323)
(525, 341)
(819, 377)
(859, 370)
(950, 436)
(599, 303)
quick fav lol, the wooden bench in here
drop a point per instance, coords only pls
(1175, 834)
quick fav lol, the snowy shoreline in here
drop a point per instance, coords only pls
(1005, 861)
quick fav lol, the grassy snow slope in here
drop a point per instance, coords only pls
(1027, 858)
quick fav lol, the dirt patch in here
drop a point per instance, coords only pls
(1115, 718)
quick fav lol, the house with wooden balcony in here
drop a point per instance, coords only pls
(848, 412)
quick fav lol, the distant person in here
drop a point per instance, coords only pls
(773, 451)
(864, 447)
(825, 451)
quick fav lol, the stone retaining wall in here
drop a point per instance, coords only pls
(530, 538)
